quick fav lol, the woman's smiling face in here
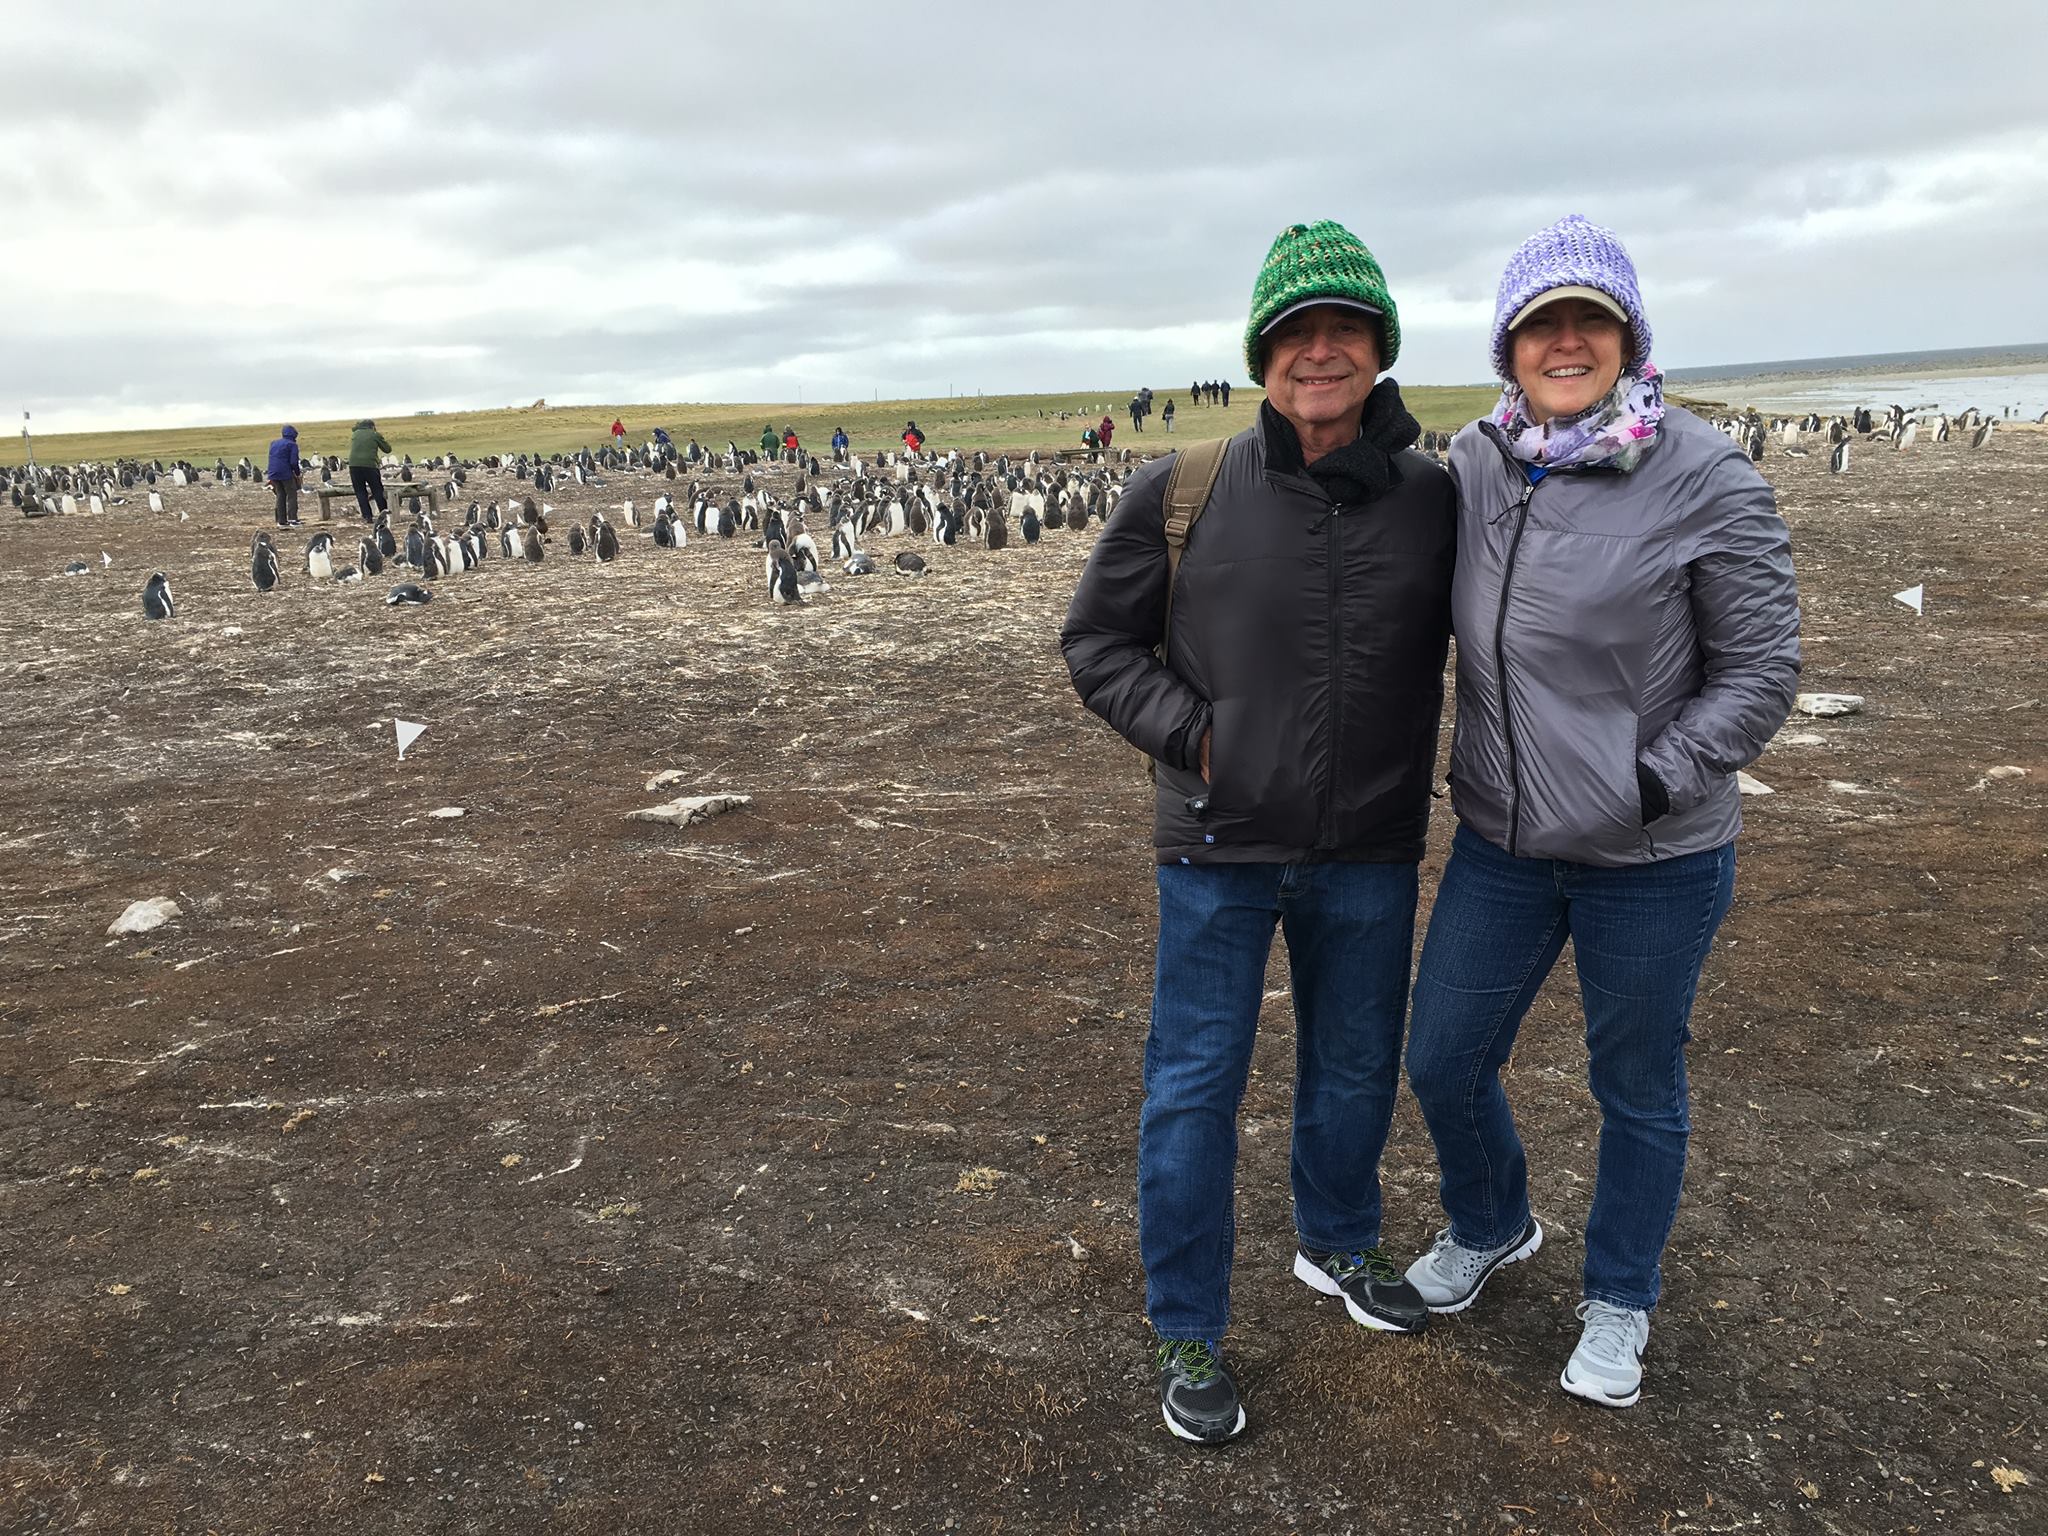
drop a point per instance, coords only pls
(1567, 356)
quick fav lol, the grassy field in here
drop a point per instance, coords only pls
(990, 421)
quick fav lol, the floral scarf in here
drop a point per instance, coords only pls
(1613, 433)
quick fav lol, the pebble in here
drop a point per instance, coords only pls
(446, 813)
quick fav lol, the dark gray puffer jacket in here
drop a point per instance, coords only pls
(1309, 632)
(1606, 620)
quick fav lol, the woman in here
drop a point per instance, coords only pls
(1628, 637)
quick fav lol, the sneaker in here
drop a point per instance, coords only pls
(1196, 1395)
(1374, 1291)
(1607, 1367)
(1450, 1275)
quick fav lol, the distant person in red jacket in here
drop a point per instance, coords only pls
(912, 438)
(618, 433)
(789, 442)
(1106, 431)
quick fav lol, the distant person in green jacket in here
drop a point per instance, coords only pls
(366, 446)
(770, 442)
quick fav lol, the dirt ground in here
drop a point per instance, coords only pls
(545, 1170)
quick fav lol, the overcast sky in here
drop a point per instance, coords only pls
(226, 212)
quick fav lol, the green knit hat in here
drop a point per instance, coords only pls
(1319, 260)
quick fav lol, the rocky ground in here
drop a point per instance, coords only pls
(541, 1169)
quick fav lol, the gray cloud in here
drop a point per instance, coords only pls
(257, 213)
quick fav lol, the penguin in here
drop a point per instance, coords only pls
(576, 540)
(995, 529)
(416, 546)
(347, 575)
(156, 597)
(508, 542)
(908, 564)
(1838, 461)
(604, 542)
(1906, 435)
(263, 562)
(782, 582)
(530, 545)
(387, 541)
(664, 531)
(811, 583)
(77, 568)
(1982, 435)
(1077, 514)
(728, 519)
(407, 595)
(803, 552)
(320, 557)
(1028, 525)
(1055, 514)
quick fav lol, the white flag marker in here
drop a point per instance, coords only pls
(1914, 598)
(408, 733)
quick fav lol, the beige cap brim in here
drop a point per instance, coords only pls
(1570, 291)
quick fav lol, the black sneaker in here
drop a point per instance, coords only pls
(1375, 1292)
(1196, 1395)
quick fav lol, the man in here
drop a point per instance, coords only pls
(839, 445)
(1293, 723)
(365, 471)
(1224, 386)
(283, 473)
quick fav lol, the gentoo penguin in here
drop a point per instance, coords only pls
(347, 575)
(803, 552)
(370, 558)
(156, 597)
(810, 583)
(1055, 513)
(729, 519)
(416, 546)
(320, 557)
(263, 562)
(576, 539)
(387, 541)
(1982, 435)
(1028, 525)
(1839, 459)
(908, 564)
(604, 540)
(407, 594)
(664, 531)
(843, 547)
(859, 563)
(995, 528)
(1077, 514)
(529, 544)
(77, 568)
(782, 582)
(508, 541)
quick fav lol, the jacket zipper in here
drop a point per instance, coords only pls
(1500, 670)
(1334, 714)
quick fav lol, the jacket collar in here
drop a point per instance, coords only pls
(1364, 467)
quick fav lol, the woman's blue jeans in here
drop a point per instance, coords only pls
(1639, 935)
(1350, 932)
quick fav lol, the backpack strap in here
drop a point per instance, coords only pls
(1188, 485)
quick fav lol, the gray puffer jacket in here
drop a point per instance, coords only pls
(1609, 620)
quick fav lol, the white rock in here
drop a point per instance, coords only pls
(1800, 739)
(1752, 786)
(691, 809)
(663, 779)
(1844, 787)
(142, 916)
(2005, 771)
(339, 873)
(1826, 705)
(446, 813)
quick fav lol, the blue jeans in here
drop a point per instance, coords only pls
(1350, 931)
(1640, 935)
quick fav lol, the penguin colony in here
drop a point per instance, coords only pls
(938, 498)
(950, 498)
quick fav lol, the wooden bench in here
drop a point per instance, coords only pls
(394, 491)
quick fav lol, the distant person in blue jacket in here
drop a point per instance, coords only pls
(840, 442)
(283, 474)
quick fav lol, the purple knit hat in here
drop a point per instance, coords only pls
(1573, 252)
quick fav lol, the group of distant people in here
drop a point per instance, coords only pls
(1215, 392)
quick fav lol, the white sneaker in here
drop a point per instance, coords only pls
(1607, 1367)
(1450, 1274)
